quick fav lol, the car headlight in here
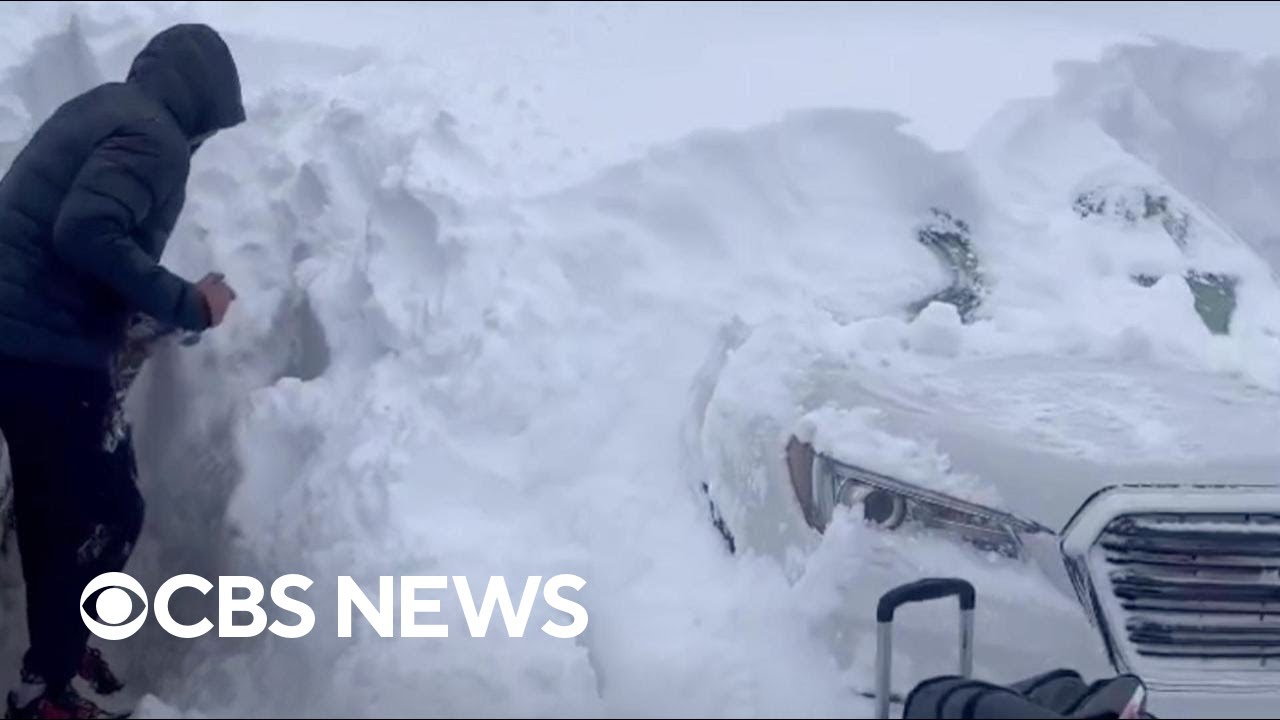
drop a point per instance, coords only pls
(822, 483)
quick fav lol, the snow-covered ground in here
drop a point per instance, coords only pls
(503, 270)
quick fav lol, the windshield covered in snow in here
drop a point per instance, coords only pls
(950, 239)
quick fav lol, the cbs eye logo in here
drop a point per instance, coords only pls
(113, 606)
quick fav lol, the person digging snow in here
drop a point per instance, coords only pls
(86, 210)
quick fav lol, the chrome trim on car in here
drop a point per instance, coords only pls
(1131, 546)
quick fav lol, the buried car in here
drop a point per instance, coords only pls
(1172, 554)
(1149, 493)
(1141, 485)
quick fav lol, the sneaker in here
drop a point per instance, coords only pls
(31, 687)
(67, 705)
(95, 670)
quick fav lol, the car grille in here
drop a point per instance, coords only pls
(1196, 588)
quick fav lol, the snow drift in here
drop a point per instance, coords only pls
(431, 371)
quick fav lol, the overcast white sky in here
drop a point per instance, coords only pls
(623, 76)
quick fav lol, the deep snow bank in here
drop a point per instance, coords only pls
(429, 372)
(426, 377)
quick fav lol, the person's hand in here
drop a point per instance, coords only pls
(217, 296)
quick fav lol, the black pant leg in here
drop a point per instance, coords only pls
(77, 506)
(46, 562)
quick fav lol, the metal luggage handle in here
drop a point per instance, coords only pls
(920, 591)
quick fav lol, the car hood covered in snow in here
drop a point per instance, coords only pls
(1046, 433)
(1031, 434)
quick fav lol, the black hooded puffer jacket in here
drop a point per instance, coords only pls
(87, 207)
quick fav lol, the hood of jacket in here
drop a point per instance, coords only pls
(189, 69)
